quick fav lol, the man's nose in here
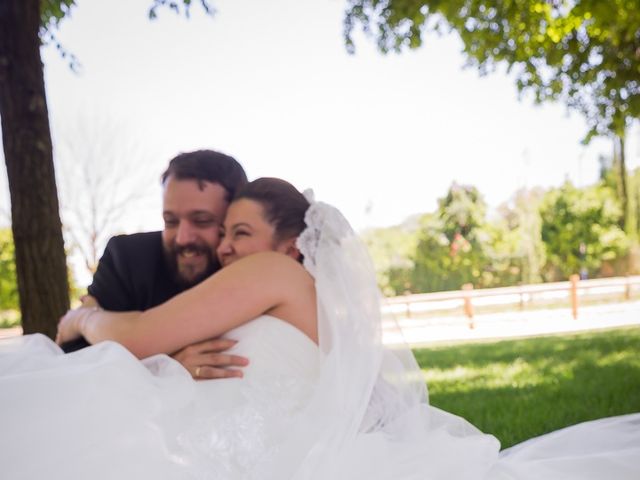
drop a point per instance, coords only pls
(185, 233)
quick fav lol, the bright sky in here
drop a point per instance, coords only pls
(271, 84)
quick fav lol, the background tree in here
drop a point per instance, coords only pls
(610, 168)
(452, 244)
(436, 268)
(100, 177)
(585, 53)
(392, 249)
(580, 229)
(520, 241)
(37, 231)
(538, 235)
(609, 177)
(8, 283)
(634, 201)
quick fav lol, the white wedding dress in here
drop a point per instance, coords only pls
(99, 413)
(346, 409)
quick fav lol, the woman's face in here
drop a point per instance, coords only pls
(245, 232)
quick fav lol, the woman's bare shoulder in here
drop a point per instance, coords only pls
(274, 262)
(284, 281)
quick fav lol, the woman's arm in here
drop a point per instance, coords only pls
(242, 291)
(72, 324)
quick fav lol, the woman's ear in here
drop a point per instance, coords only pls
(289, 248)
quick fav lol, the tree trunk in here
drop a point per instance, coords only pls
(624, 190)
(37, 231)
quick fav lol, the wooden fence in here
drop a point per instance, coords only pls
(468, 300)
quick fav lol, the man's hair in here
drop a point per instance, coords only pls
(207, 166)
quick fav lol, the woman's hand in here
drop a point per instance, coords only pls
(70, 326)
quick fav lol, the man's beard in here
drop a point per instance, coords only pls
(171, 253)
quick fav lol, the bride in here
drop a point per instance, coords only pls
(322, 398)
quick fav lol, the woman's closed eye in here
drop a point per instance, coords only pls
(240, 233)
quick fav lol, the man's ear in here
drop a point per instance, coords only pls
(289, 248)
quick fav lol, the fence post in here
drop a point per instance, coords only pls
(627, 288)
(521, 293)
(468, 306)
(575, 278)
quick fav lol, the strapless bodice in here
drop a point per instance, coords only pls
(234, 423)
(274, 347)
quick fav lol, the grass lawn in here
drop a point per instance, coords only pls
(518, 389)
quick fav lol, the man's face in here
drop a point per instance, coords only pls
(193, 213)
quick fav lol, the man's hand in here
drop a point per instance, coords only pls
(205, 360)
(89, 301)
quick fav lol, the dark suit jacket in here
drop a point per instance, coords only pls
(132, 275)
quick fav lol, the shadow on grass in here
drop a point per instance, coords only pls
(519, 389)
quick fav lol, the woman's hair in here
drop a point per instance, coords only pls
(284, 206)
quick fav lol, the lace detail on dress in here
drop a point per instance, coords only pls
(238, 426)
(234, 443)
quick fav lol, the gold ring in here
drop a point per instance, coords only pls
(198, 371)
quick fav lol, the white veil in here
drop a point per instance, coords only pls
(350, 324)
(367, 395)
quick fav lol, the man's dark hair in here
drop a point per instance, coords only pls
(207, 166)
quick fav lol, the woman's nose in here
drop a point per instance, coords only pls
(224, 247)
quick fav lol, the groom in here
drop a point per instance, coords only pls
(143, 270)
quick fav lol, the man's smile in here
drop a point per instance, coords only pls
(190, 252)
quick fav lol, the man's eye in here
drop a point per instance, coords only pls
(239, 233)
(169, 223)
(203, 222)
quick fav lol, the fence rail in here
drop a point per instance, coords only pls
(467, 300)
